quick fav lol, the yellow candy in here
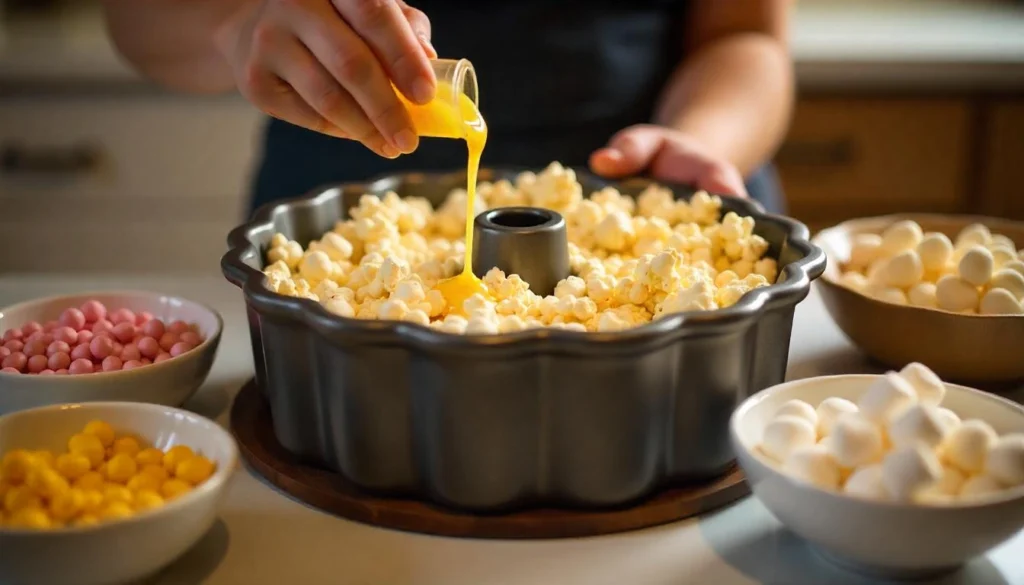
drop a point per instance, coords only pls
(156, 471)
(117, 493)
(150, 456)
(174, 488)
(21, 496)
(144, 481)
(88, 445)
(176, 455)
(148, 500)
(16, 465)
(101, 430)
(86, 520)
(67, 505)
(44, 458)
(195, 470)
(33, 518)
(92, 501)
(127, 445)
(116, 511)
(91, 480)
(46, 482)
(121, 468)
(72, 465)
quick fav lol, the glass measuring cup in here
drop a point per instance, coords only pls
(453, 113)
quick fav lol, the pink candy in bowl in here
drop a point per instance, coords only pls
(121, 345)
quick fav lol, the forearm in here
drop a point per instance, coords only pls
(734, 95)
(172, 42)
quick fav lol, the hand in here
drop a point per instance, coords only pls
(328, 65)
(666, 155)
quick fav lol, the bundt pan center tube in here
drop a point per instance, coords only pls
(490, 423)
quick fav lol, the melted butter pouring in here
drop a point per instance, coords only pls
(442, 118)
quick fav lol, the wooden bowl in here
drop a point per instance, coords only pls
(982, 349)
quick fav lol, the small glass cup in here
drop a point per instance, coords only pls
(455, 104)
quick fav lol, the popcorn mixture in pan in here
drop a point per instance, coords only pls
(634, 260)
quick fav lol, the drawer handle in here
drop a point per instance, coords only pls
(65, 160)
(833, 153)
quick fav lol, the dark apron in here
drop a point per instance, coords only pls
(556, 79)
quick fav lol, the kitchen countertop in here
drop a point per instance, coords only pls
(265, 537)
(966, 44)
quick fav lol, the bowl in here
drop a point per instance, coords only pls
(170, 382)
(979, 349)
(144, 543)
(498, 422)
(884, 539)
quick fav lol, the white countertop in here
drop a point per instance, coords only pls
(849, 43)
(266, 538)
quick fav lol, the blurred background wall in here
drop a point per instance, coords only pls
(905, 105)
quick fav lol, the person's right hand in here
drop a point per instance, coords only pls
(328, 65)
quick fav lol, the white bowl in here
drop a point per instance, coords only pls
(892, 540)
(170, 382)
(122, 550)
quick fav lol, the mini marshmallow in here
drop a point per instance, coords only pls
(1005, 460)
(866, 482)
(903, 270)
(922, 294)
(886, 397)
(935, 251)
(1015, 265)
(830, 410)
(927, 385)
(900, 236)
(976, 266)
(979, 486)
(855, 441)
(949, 418)
(974, 234)
(814, 465)
(956, 294)
(948, 486)
(909, 470)
(967, 445)
(1009, 280)
(799, 409)
(853, 280)
(786, 433)
(920, 423)
(999, 301)
(889, 295)
(865, 249)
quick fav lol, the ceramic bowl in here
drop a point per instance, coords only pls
(979, 349)
(884, 539)
(170, 383)
(123, 550)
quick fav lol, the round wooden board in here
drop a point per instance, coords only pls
(329, 491)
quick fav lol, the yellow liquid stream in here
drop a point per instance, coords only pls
(441, 119)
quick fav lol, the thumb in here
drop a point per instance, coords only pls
(629, 151)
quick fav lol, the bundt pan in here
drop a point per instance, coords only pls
(501, 422)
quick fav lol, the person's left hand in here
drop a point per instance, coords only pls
(666, 155)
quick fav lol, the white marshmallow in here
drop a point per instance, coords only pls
(799, 409)
(922, 294)
(886, 397)
(855, 441)
(866, 482)
(968, 444)
(979, 486)
(1010, 280)
(1001, 241)
(935, 251)
(976, 266)
(831, 409)
(1015, 265)
(921, 423)
(945, 490)
(974, 234)
(900, 236)
(1001, 256)
(865, 249)
(1005, 460)
(888, 295)
(853, 280)
(950, 419)
(927, 385)
(903, 270)
(956, 294)
(784, 434)
(999, 301)
(909, 470)
(814, 465)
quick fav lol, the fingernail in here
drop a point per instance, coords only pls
(406, 141)
(422, 91)
(389, 151)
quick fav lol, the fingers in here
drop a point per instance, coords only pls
(629, 151)
(420, 26)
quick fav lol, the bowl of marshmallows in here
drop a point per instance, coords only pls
(899, 475)
(947, 291)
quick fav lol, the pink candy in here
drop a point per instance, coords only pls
(92, 338)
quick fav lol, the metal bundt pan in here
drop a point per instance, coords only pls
(499, 422)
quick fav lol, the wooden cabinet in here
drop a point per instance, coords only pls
(1000, 191)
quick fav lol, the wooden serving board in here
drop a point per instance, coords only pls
(329, 491)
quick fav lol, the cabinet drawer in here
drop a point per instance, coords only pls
(847, 158)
